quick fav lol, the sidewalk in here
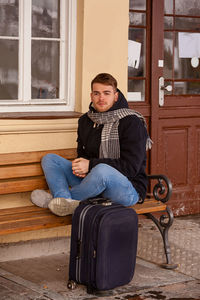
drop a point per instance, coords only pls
(45, 277)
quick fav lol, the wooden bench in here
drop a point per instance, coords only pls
(21, 172)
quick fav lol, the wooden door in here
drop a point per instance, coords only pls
(175, 117)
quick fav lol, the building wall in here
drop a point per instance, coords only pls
(102, 34)
(105, 47)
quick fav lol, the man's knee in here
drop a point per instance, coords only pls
(102, 170)
(48, 158)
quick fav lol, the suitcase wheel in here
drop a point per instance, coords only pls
(71, 284)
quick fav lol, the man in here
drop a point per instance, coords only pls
(111, 151)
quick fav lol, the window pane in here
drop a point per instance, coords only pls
(137, 18)
(187, 23)
(185, 69)
(168, 6)
(168, 54)
(8, 70)
(184, 7)
(45, 18)
(137, 89)
(168, 22)
(138, 35)
(9, 18)
(137, 4)
(45, 69)
(185, 88)
(183, 66)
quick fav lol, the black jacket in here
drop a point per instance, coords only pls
(132, 138)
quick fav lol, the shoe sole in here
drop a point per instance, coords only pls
(61, 207)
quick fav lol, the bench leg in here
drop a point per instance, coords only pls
(163, 224)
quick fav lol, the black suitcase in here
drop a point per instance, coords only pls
(103, 245)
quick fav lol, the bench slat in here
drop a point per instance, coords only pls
(18, 217)
(21, 171)
(32, 157)
(19, 210)
(149, 206)
(27, 218)
(33, 224)
(22, 185)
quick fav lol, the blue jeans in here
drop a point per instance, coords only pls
(102, 179)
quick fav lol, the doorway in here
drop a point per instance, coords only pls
(168, 80)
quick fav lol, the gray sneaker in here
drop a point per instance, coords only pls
(63, 207)
(41, 198)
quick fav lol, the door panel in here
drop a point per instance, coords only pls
(173, 155)
(174, 163)
(178, 157)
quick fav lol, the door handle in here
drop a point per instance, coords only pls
(162, 88)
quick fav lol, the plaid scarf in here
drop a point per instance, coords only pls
(110, 147)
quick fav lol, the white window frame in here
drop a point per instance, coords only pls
(66, 101)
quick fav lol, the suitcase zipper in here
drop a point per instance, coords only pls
(80, 236)
(92, 251)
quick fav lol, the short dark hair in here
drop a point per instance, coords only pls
(105, 78)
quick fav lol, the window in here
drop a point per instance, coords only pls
(37, 55)
(181, 47)
(138, 43)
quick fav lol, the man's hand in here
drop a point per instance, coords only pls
(80, 167)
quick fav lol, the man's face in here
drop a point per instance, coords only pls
(103, 97)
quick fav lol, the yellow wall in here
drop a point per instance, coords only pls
(104, 43)
(102, 35)
(35, 135)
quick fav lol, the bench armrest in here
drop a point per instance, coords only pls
(162, 190)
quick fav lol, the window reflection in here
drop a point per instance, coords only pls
(45, 54)
(45, 18)
(9, 70)
(181, 47)
(186, 88)
(182, 66)
(137, 4)
(137, 50)
(187, 23)
(168, 6)
(168, 22)
(168, 54)
(45, 70)
(138, 35)
(188, 8)
(9, 11)
(137, 18)
(138, 88)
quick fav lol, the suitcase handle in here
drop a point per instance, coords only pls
(103, 201)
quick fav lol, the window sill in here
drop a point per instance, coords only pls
(40, 115)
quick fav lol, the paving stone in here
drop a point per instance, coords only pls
(12, 290)
(184, 241)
